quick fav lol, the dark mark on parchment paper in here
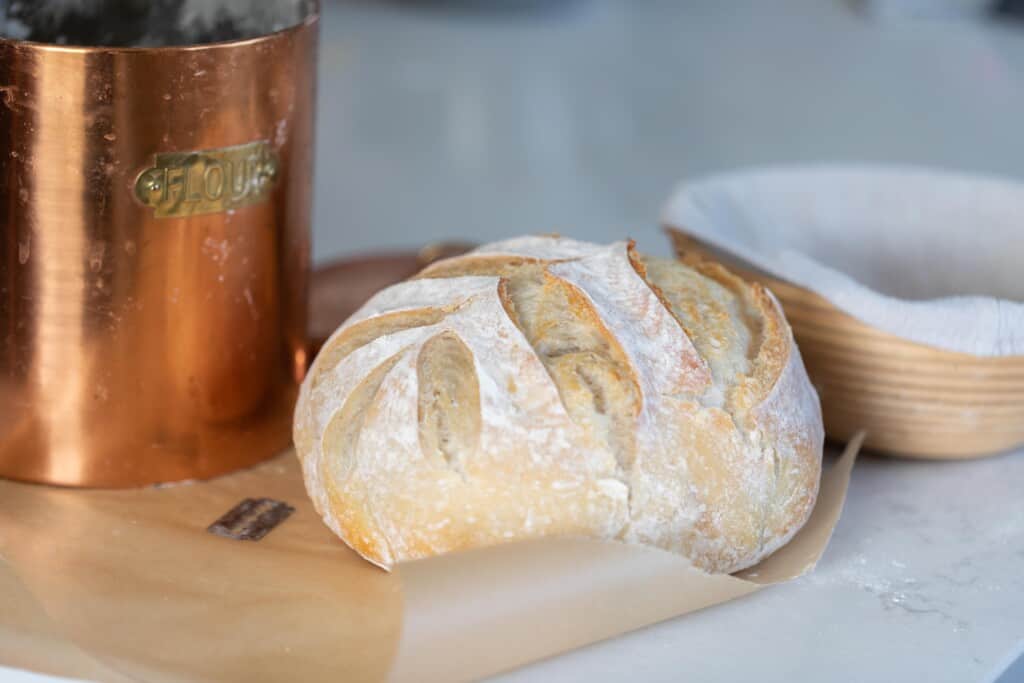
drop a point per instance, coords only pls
(252, 519)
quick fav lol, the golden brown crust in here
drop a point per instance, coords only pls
(363, 333)
(458, 266)
(770, 340)
(773, 354)
(640, 266)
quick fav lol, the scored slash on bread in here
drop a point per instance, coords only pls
(544, 386)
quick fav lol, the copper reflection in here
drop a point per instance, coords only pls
(134, 348)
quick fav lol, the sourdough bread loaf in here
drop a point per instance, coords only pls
(544, 386)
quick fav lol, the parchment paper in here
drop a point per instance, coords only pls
(122, 586)
(930, 256)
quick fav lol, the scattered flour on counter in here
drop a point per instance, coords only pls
(904, 594)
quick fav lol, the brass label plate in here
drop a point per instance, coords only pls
(184, 184)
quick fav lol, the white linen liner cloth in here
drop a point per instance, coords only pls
(931, 256)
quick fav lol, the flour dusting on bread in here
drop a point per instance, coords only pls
(543, 386)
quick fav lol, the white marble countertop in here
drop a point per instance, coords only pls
(441, 122)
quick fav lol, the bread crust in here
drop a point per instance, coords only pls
(544, 386)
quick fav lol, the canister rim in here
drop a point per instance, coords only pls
(311, 19)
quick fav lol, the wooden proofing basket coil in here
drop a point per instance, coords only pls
(913, 400)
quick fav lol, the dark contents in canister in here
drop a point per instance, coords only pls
(147, 23)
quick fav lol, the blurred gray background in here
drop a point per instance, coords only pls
(482, 120)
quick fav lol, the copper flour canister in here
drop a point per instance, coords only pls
(154, 237)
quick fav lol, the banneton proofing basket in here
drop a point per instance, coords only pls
(903, 288)
(155, 187)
